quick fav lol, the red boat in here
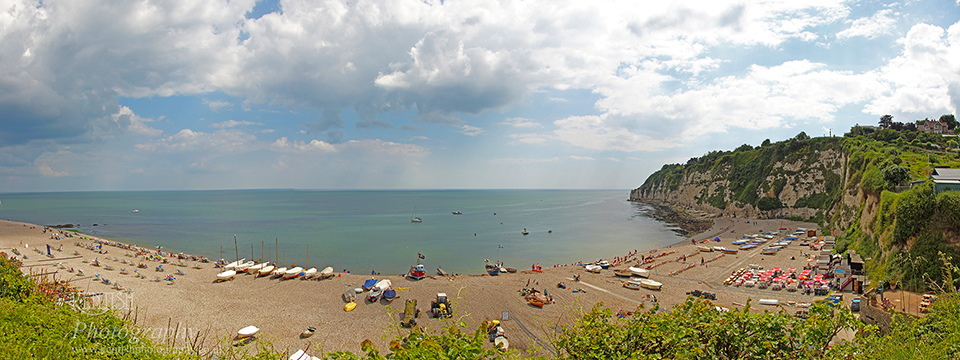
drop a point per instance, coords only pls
(417, 272)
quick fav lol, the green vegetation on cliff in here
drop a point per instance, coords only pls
(857, 184)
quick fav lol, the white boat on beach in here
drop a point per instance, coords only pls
(604, 264)
(266, 270)
(247, 331)
(378, 290)
(650, 284)
(310, 273)
(593, 268)
(641, 272)
(704, 248)
(635, 285)
(243, 267)
(769, 302)
(279, 271)
(292, 273)
(256, 268)
(233, 265)
(226, 275)
(326, 272)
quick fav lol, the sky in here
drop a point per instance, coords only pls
(406, 94)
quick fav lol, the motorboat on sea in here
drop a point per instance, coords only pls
(638, 271)
(135, 211)
(226, 275)
(457, 213)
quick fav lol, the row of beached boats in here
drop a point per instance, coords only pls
(266, 269)
(643, 276)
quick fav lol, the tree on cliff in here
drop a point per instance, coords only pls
(950, 120)
(886, 121)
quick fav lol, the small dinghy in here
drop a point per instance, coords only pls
(511, 270)
(266, 270)
(623, 273)
(292, 273)
(641, 272)
(326, 272)
(308, 332)
(279, 271)
(226, 275)
(309, 273)
(769, 302)
(633, 285)
(536, 302)
(369, 284)
(389, 294)
(650, 284)
(247, 331)
(593, 268)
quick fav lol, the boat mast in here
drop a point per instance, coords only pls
(235, 249)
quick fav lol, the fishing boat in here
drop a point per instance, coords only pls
(226, 275)
(415, 218)
(634, 285)
(310, 273)
(266, 270)
(326, 272)
(639, 271)
(135, 211)
(593, 268)
(247, 331)
(604, 264)
(292, 273)
(417, 272)
(525, 232)
(623, 273)
(492, 269)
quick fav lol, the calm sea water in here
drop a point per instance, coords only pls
(361, 230)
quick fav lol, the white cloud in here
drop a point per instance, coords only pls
(577, 157)
(533, 138)
(381, 148)
(521, 161)
(232, 123)
(470, 130)
(282, 144)
(220, 141)
(217, 105)
(519, 122)
(45, 170)
(871, 27)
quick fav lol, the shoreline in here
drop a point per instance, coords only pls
(283, 308)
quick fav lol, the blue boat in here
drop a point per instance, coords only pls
(367, 285)
(493, 269)
(790, 237)
(389, 294)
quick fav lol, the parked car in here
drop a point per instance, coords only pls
(855, 305)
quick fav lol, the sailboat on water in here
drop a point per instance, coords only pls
(415, 218)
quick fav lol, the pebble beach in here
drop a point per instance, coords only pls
(194, 302)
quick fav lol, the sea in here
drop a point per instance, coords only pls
(361, 231)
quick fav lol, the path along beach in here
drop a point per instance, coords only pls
(282, 309)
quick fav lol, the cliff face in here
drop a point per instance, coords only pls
(778, 181)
